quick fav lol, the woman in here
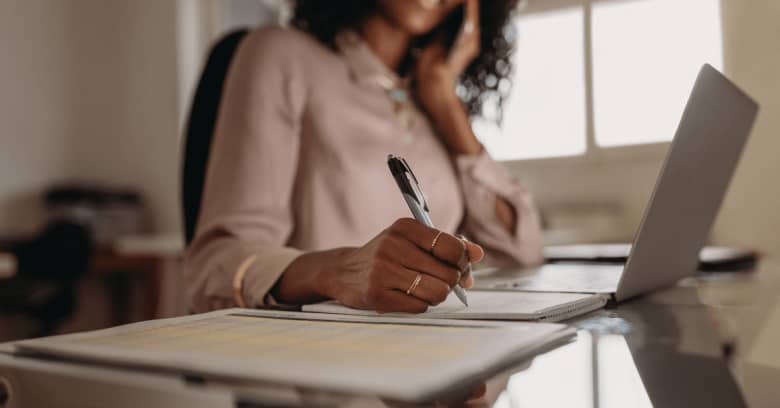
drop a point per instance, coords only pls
(299, 205)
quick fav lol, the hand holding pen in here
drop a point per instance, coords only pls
(401, 269)
(407, 267)
(415, 199)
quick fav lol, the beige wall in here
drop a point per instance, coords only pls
(751, 214)
(89, 93)
(33, 97)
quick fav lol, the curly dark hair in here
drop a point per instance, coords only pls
(487, 76)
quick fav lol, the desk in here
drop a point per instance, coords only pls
(134, 270)
(144, 259)
(709, 341)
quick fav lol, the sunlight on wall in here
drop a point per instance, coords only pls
(646, 55)
(545, 114)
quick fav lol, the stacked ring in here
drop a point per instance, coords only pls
(435, 241)
(414, 284)
(464, 265)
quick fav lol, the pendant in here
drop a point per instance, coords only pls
(401, 108)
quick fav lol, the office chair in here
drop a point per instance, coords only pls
(49, 269)
(200, 127)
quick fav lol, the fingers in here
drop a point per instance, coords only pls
(476, 253)
(478, 391)
(448, 261)
(394, 301)
(467, 282)
(430, 55)
(446, 247)
(467, 45)
(471, 25)
(430, 289)
(471, 15)
(420, 261)
(475, 393)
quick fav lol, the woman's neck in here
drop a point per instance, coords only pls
(389, 43)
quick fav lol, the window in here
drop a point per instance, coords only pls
(548, 94)
(593, 75)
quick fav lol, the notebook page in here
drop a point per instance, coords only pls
(486, 305)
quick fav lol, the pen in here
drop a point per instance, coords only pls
(415, 199)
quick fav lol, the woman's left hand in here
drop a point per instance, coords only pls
(436, 75)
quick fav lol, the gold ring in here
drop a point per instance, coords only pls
(464, 264)
(414, 284)
(468, 28)
(435, 240)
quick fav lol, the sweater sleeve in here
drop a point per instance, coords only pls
(483, 182)
(246, 217)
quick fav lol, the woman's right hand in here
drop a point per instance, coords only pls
(377, 275)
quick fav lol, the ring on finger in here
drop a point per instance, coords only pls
(464, 261)
(468, 27)
(435, 241)
(467, 268)
(415, 283)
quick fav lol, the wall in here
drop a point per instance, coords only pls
(90, 93)
(200, 24)
(33, 101)
(750, 215)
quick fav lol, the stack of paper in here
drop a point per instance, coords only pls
(411, 360)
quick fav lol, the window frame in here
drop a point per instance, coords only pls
(594, 153)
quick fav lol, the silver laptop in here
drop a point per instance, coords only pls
(687, 196)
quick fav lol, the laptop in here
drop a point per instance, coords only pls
(687, 196)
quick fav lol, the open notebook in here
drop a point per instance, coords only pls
(401, 359)
(492, 305)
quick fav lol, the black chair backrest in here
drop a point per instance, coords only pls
(200, 127)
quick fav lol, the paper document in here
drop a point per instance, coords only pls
(386, 357)
(491, 305)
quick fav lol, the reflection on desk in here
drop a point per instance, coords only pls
(707, 342)
(643, 367)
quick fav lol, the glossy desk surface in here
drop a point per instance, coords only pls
(711, 341)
